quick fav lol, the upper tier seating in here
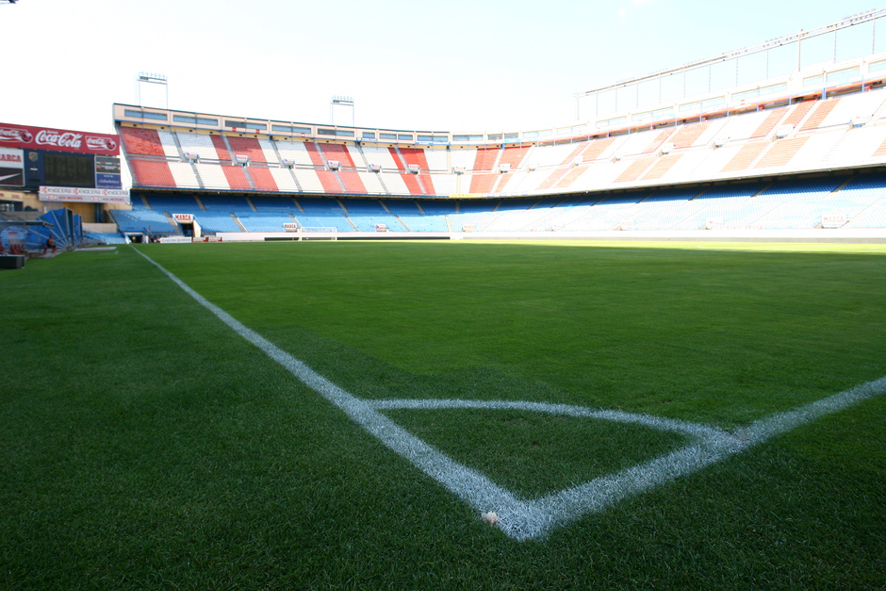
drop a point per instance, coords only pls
(141, 141)
(256, 150)
(294, 151)
(199, 144)
(148, 173)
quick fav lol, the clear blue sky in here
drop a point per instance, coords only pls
(459, 65)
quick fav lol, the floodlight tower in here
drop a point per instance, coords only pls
(344, 101)
(147, 78)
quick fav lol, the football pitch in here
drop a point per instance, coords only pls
(340, 415)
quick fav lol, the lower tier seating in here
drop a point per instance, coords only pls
(857, 201)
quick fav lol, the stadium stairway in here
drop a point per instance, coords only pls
(279, 158)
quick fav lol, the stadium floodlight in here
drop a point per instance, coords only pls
(341, 101)
(149, 78)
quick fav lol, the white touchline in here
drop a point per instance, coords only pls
(524, 519)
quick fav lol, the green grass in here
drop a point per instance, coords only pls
(144, 446)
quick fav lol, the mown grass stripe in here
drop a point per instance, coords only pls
(468, 484)
(522, 519)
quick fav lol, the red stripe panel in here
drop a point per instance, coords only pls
(408, 179)
(221, 149)
(141, 141)
(353, 182)
(247, 146)
(327, 177)
(485, 159)
(262, 179)
(483, 183)
(411, 183)
(338, 152)
(316, 158)
(152, 174)
(236, 178)
(417, 156)
(329, 182)
(514, 155)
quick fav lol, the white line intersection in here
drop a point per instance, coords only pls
(524, 519)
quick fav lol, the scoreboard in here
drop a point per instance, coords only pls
(72, 170)
(34, 157)
(68, 170)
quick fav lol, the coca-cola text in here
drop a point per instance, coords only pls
(48, 137)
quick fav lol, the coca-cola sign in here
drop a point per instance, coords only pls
(51, 137)
(15, 135)
(58, 140)
(100, 143)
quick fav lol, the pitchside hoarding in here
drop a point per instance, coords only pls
(833, 219)
(72, 194)
(11, 196)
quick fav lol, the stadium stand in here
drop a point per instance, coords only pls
(322, 213)
(414, 218)
(791, 153)
(212, 222)
(144, 142)
(265, 222)
(143, 221)
(177, 203)
(149, 173)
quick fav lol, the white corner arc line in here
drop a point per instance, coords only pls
(468, 484)
(527, 519)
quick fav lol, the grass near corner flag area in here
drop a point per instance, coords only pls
(144, 444)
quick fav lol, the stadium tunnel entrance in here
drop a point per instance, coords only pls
(189, 225)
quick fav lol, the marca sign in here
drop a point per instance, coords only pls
(59, 140)
(12, 168)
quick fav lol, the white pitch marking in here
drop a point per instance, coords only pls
(660, 423)
(526, 519)
(471, 486)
